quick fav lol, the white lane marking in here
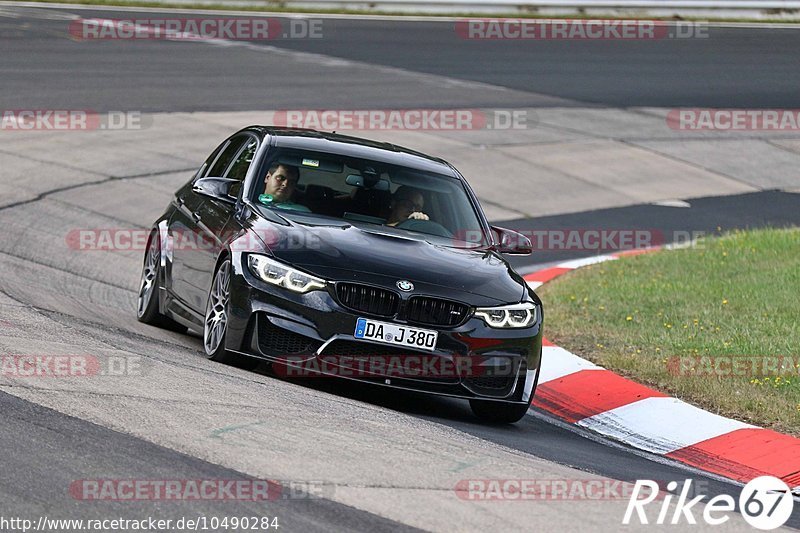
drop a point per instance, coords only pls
(548, 418)
(558, 362)
(534, 284)
(660, 425)
(672, 203)
(577, 263)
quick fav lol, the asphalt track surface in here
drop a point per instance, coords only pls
(65, 446)
(79, 302)
(666, 225)
(732, 67)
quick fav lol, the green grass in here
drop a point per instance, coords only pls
(278, 7)
(734, 295)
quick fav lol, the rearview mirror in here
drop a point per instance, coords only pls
(357, 180)
(511, 242)
(221, 189)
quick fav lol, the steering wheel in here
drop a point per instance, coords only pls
(425, 226)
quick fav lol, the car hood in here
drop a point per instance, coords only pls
(343, 251)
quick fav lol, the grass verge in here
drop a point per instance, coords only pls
(717, 325)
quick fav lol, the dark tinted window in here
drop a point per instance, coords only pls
(201, 172)
(408, 199)
(227, 156)
(239, 169)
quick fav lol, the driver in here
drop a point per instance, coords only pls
(407, 204)
(279, 187)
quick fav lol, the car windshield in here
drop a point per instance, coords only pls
(365, 192)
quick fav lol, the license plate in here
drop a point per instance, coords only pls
(419, 339)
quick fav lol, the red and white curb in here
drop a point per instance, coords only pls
(579, 392)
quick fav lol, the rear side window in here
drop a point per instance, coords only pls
(239, 169)
(227, 156)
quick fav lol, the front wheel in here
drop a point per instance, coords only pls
(499, 412)
(216, 321)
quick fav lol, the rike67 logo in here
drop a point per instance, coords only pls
(765, 502)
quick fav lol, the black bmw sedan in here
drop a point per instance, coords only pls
(330, 255)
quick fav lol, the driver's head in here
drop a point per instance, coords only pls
(280, 182)
(406, 200)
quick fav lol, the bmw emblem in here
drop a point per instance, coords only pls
(405, 285)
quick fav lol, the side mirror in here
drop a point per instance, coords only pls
(511, 242)
(222, 189)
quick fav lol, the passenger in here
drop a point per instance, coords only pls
(407, 204)
(279, 188)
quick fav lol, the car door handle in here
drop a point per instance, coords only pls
(196, 217)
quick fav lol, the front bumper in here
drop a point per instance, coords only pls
(311, 334)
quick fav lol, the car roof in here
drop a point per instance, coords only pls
(313, 140)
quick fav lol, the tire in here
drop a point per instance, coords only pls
(215, 323)
(147, 308)
(499, 412)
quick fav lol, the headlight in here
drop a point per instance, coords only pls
(282, 275)
(508, 316)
